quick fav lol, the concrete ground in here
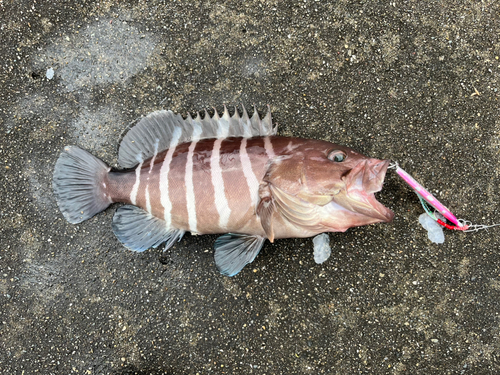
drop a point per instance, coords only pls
(414, 81)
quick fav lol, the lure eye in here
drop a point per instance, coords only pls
(337, 156)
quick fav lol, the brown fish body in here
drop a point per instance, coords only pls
(237, 195)
(243, 165)
(251, 184)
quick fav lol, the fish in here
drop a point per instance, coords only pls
(228, 175)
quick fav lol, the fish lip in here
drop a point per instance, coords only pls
(381, 212)
(371, 207)
(364, 202)
(380, 169)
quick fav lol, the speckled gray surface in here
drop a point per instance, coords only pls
(414, 81)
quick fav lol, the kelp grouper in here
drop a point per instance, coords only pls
(229, 175)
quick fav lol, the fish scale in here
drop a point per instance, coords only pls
(221, 174)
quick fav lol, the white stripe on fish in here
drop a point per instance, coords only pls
(135, 188)
(221, 202)
(164, 171)
(269, 148)
(151, 164)
(148, 201)
(246, 164)
(188, 181)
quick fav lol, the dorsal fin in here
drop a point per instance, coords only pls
(154, 132)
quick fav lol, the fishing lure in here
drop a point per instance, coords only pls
(428, 200)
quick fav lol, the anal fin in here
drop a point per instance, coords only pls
(234, 251)
(138, 230)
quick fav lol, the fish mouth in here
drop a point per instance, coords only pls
(382, 213)
(362, 183)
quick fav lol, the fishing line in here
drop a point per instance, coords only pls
(434, 208)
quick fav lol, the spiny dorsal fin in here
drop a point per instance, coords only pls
(155, 131)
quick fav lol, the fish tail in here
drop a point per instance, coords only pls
(80, 184)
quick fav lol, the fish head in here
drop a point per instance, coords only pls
(335, 182)
(344, 180)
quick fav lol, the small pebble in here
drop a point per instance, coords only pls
(50, 73)
(434, 230)
(322, 250)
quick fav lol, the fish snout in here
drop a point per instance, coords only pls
(375, 175)
(380, 166)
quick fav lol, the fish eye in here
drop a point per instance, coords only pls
(337, 156)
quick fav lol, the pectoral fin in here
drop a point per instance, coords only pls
(234, 251)
(265, 210)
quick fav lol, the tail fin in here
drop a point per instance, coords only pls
(79, 184)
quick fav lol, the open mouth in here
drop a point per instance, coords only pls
(378, 170)
(383, 213)
(367, 180)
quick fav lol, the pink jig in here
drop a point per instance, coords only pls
(429, 198)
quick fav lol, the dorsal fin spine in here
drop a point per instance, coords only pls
(246, 124)
(216, 115)
(223, 128)
(245, 114)
(256, 123)
(225, 115)
(236, 113)
(154, 132)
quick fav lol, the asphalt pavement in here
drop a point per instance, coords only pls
(413, 81)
